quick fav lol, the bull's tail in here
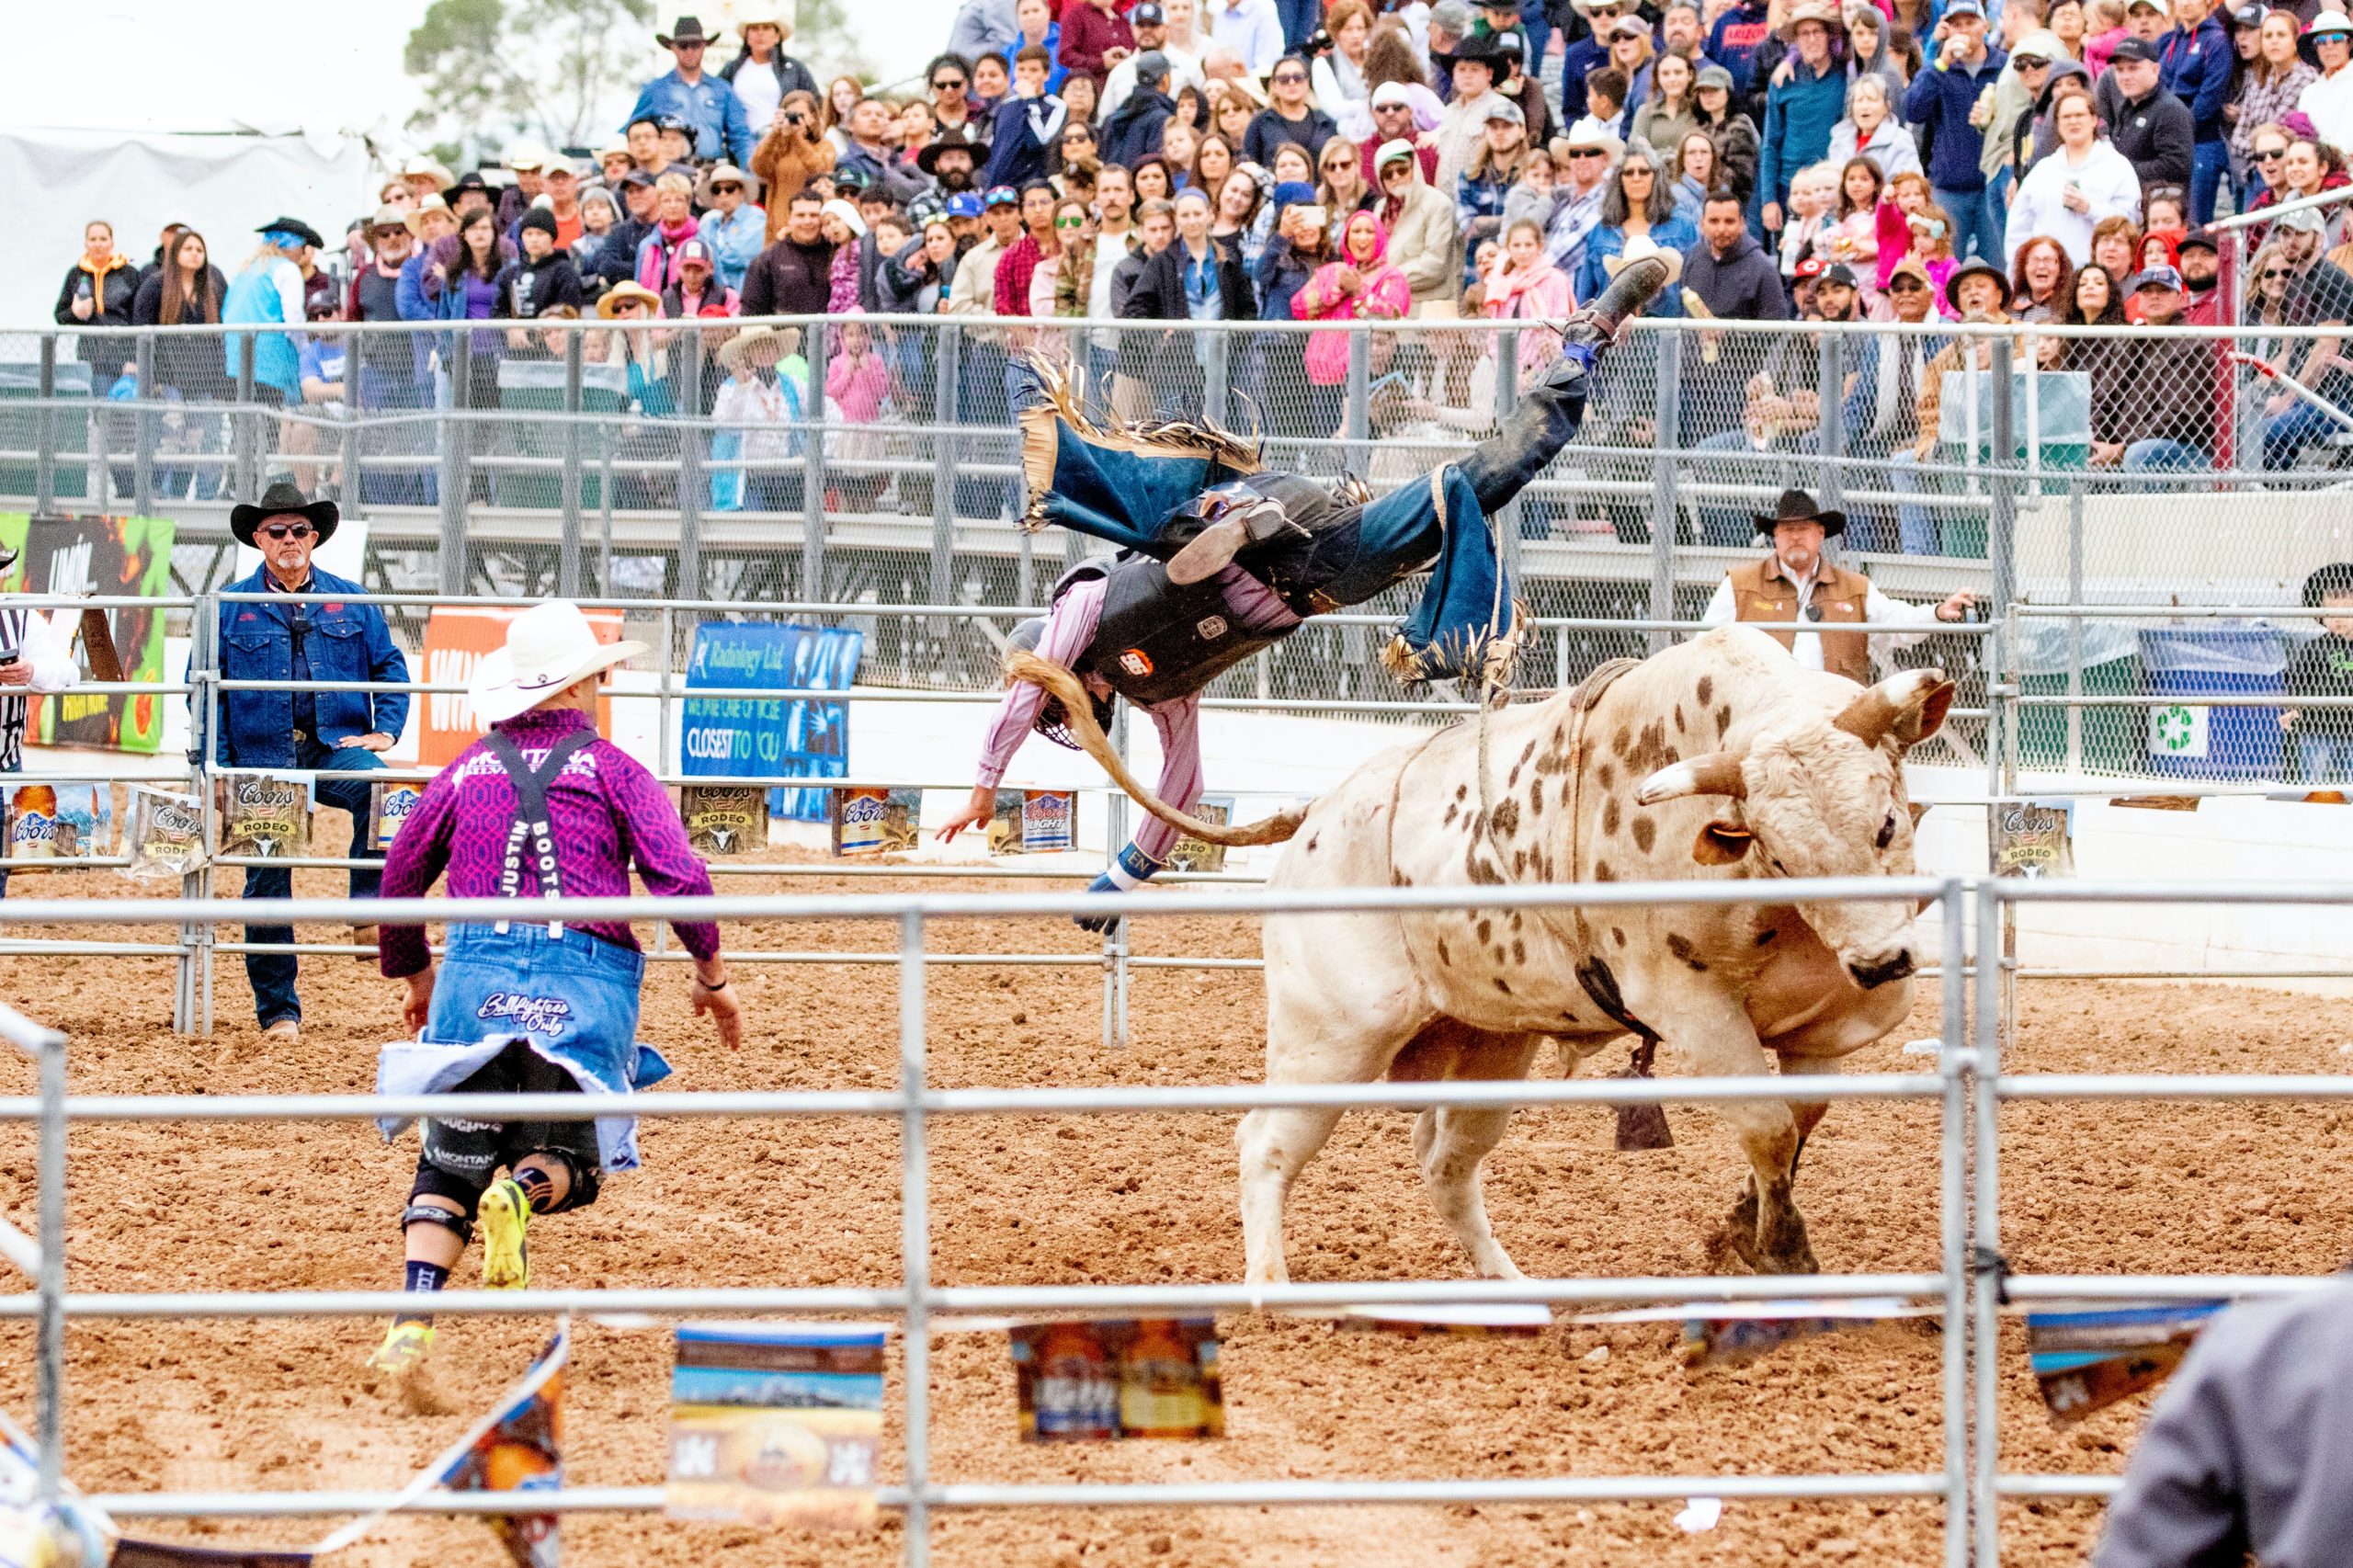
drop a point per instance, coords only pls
(1022, 665)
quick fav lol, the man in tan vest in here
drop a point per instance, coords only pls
(1795, 583)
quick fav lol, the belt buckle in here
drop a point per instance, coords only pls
(1322, 603)
(302, 735)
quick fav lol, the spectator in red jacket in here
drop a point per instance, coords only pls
(1096, 37)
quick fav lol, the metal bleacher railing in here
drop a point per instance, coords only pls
(1965, 1292)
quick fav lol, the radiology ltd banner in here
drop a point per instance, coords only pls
(112, 557)
(744, 737)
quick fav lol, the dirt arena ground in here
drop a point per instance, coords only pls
(275, 1405)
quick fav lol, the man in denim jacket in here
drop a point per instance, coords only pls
(339, 734)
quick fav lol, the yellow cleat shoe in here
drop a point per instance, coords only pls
(506, 1216)
(403, 1351)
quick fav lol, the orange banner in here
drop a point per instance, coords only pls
(457, 639)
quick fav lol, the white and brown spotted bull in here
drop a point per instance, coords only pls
(1721, 759)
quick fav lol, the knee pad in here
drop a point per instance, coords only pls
(581, 1189)
(458, 1225)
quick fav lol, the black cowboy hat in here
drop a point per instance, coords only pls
(1797, 506)
(1493, 50)
(686, 30)
(954, 140)
(296, 227)
(283, 498)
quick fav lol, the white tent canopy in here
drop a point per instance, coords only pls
(224, 183)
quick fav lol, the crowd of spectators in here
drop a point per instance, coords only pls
(1170, 162)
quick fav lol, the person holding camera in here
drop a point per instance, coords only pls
(1794, 583)
(794, 152)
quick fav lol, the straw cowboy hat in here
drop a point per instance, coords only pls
(420, 165)
(1638, 247)
(549, 646)
(628, 289)
(415, 219)
(730, 174)
(283, 499)
(1821, 11)
(731, 352)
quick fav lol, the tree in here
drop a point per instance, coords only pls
(823, 38)
(561, 70)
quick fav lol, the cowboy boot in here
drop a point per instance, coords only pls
(1236, 529)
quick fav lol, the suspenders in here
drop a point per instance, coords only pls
(532, 824)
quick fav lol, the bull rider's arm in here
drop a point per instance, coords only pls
(1070, 626)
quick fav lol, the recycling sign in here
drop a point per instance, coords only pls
(2178, 730)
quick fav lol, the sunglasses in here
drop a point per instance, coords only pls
(726, 189)
(1070, 222)
(391, 230)
(2269, 156)
(2276, 274)
(288, 531)
(1290, 79)
(955, 84)
(1586, 152)
(1907, 286)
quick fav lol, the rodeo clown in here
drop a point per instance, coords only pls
(541, 806)
(1219, 558)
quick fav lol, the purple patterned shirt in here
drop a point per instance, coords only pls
(608, 811)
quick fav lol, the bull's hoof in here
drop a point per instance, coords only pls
(1643, 1126)
(1783, 1243)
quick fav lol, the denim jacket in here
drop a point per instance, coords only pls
(342, 641)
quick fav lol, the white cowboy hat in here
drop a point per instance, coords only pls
(756, 12)
(421, 164)
(731, 352)
(1636, 249)
(729, 172)
(547, 647)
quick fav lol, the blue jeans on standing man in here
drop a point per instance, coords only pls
(2210, 163)
(1977, 219)
(272, 974)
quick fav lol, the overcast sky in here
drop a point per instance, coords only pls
(200, 64)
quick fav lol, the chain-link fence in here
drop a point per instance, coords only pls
(876, 460)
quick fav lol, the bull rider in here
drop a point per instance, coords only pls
(1220, 558)
(1793, 583)
(541, 807)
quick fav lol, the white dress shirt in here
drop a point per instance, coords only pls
(1251, 30)
(1878, 610)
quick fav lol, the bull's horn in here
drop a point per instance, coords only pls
(1022, 665)
(1717, 773)
(1907, 708)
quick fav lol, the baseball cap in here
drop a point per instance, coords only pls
(963, 204)
(2249, 16)
(1393, 150)
(2157, 278)
(1629, 26)
(1713, 77)
(1151, 66)
(2139, 48)
(2200, 239)
(1506, 112)
(1813, 266)
(2303, 221)
(1965, 8)
(1002, 195)
(1839, 272)
(1147, 14)
(693, 251)
(672, 122)
(1294, 193)
(639, 178)
(1390, 93)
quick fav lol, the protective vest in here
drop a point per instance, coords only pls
(530, 836)
(1156, 641)
(1760, 592)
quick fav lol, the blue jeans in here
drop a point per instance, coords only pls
(2209, 162)
(272, 974)
(2160, 456)
(1538, 29)
(2285, 436)
(1976, 221)
(1915, 523)
(1300, 19)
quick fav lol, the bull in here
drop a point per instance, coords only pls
(1720, 759)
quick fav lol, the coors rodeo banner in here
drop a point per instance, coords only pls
(112, 557)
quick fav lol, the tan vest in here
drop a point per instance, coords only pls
(1761, 593)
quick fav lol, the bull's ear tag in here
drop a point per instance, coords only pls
(1720, 843)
